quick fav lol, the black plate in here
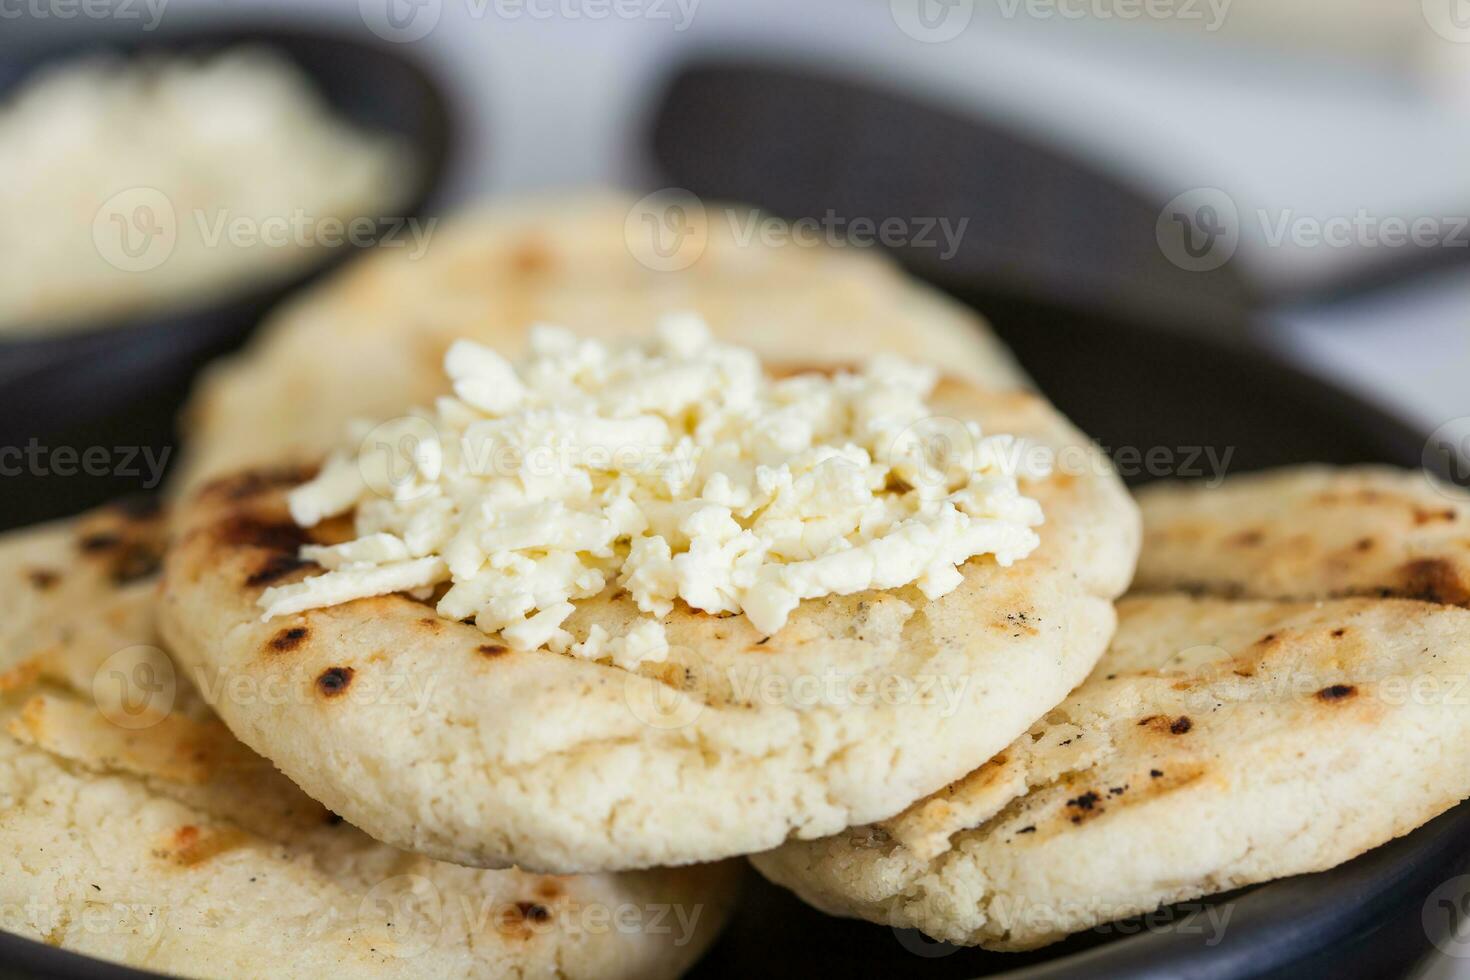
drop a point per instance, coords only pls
(117, 381)
(1133, 388)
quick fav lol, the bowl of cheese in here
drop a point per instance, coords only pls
(163, 193)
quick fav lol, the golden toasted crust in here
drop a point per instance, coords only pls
(1309, 532)
(136, 828)
(371, 341)
(1219, 742)
(432, 738)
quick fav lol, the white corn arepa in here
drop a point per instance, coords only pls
(1311, 532)
(135, 828)
(860, 705)
(371, 339)
(1220, 741)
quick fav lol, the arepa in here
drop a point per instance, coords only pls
(1220, 741)
(734, 743)
(136, 829)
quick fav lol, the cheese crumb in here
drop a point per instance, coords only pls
(674, 469)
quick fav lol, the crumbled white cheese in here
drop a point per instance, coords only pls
(644, 642)
(356, 581)
(674, 469)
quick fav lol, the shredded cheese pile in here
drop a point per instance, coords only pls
(674, 469)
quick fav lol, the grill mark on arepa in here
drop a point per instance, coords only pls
(1434, 580)
(334, 681)
(521, 920)
(289, 639)
(1084, 806)
(128, 558)
(246, 531)
(43, 579)
(96, 541)
(135, 562)
(250, 483)
(1163, 723)
(275, 567)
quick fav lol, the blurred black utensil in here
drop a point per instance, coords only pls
(1041, 224)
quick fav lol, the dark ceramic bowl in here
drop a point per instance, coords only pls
(118, 381)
